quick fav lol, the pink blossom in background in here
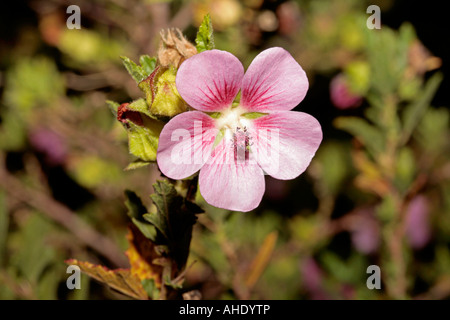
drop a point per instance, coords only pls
(340, 94)
(279, 142)
(50, 145)
(312, 277)
(365, 233)
(418, 229)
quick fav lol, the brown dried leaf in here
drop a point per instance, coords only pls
(174, 48)
(121, 280)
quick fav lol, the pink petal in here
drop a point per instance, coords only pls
(185, 144)
(274, 81)
(209, 81)
(231, 184)
(285, 142)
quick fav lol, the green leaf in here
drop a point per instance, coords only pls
(205, 38)
(92, 171)
(12, 132)
(368, 134)
(136, 72)
(140, 105)
(113, 106)
(142, 143)
(136, 164)
(136, 208)
(387, 52)
(344, 270)
(334, 161)
(358, 75)
(151, 288)
(386, 210)
(174, 219)
(432, 131)
(148, 64)
(405, 169)
(136, 211)
(47, 287)
(415, 111)
(30, 83)
(33, 258)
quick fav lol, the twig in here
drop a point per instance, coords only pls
(62, 215)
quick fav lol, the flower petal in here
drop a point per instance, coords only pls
(209, 81)
(285, 142)
(274, 81)
(185, 144)
(229, 183)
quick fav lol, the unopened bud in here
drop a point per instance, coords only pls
(162, 94)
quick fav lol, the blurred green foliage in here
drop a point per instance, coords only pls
(355, 206)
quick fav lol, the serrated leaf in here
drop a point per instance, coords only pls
(136, 72)
(134, 205)
(205, 38)
(136, 210)
(121, 280)
(142, 143)
(174, 219)
(415, 111)
(148, 64)
(368, 134)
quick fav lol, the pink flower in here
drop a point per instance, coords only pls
(235, 149)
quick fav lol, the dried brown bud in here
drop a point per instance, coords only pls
(174, 48)
(124, 114)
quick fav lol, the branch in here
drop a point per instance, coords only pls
(62, 215)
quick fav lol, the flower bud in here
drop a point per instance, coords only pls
(162, 94)
(341, 95)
